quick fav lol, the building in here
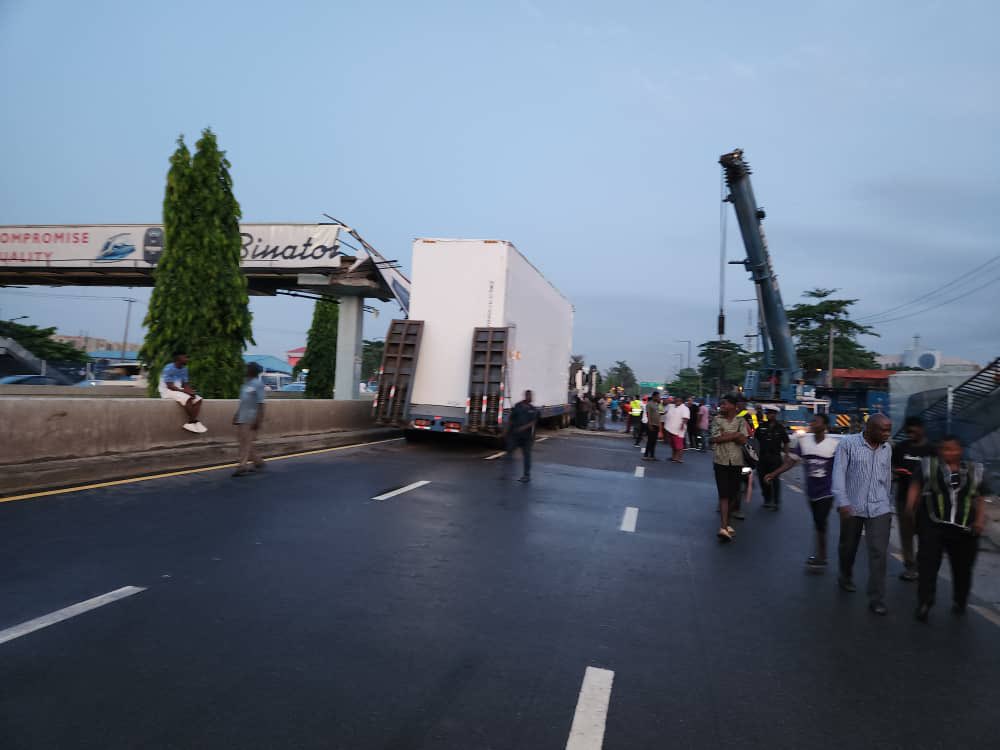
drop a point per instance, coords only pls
(294, 355)
(91, 343)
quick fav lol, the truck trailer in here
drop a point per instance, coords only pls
(484, 327)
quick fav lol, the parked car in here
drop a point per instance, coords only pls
(119, 373)
(28, 380)
(275, 381)
(297, 387)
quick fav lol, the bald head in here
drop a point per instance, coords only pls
(878, 429)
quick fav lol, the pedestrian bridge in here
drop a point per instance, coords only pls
(295, 259)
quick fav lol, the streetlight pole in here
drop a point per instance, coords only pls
(128, 315)
(680, 358)
(688, 342)
(829, 361)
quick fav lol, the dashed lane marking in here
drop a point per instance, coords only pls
(795, 487)
(640, 471)
(67, 612)
(401, 490)
(501, 454)
(183, 472)
(590, 718)
(542, 439)
(629, 519)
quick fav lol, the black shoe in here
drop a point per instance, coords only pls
(814, 562)
(525, 479)
(846, 584)
(909, 576)
(878, 608)
(242, 472)
(738, 515)
(922, 613)
(958, 609)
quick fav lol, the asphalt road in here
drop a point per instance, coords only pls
(290, 610)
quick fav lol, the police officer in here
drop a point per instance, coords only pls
(772, 450)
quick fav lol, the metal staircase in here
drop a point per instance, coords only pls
(970, 410)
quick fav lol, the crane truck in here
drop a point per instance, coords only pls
(781, 375)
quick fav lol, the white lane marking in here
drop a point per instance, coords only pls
(65, 613)
(629, 519)
(587, 732)
(501, 454)
(542, 439)
(989, 614)
(401, 490)
(794, 487)
(640, 471)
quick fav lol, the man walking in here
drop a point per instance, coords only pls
(692, 425)
(602, 413)
(906, 461)
(772, 448)
(676, 427)
(248, 419)
(862, 480)
(652, 426)
(175, 384)
(729, 433)
(521, 431)
(703, 416)
(815, 450)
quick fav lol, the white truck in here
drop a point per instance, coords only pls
(484, 327)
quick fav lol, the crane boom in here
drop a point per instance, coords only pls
(774, 321)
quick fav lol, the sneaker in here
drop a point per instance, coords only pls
(525, 479)
(731, 530)
(199, 427)
(191, 427)
(738, 515)
(878, 608)
(846, 584)
(724, 535)
(909, 576)
(814, 562)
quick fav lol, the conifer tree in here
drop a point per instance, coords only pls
(321, 350)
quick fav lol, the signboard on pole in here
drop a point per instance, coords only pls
(280, 246)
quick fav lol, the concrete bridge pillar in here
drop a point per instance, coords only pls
(349, 348)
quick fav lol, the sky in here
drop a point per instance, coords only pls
(586, 133)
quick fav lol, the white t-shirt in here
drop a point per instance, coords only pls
(675, 419)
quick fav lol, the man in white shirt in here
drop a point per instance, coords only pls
(675, 425)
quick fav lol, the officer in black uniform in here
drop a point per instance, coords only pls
(772, 449)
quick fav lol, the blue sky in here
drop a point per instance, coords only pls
(586, 133)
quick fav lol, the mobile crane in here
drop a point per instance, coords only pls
(780, 376)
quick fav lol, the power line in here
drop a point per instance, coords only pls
(961, 295)
(70, 296)
(876, 318)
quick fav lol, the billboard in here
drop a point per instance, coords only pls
(278, 246)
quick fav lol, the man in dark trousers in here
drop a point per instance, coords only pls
(906, 462)
(772, 449)
(521, 431)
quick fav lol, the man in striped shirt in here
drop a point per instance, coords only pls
(862, 478)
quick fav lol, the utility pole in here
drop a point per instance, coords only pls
(829, 362)
(128, 315)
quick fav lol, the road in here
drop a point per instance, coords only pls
(290, 610)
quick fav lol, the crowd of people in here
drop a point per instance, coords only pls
(939, 497)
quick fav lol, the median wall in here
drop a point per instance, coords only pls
(48, 442)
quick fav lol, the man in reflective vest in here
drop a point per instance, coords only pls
(635, 415)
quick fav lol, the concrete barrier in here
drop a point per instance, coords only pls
(47, 442)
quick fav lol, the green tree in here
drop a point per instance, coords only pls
(811, 323)
(371, 358)
(320, 358)
(38, 341)
(199, 303)
(620, 375)
(687, 383)
(724, 364)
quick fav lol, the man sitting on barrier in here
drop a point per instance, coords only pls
(175, 384)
